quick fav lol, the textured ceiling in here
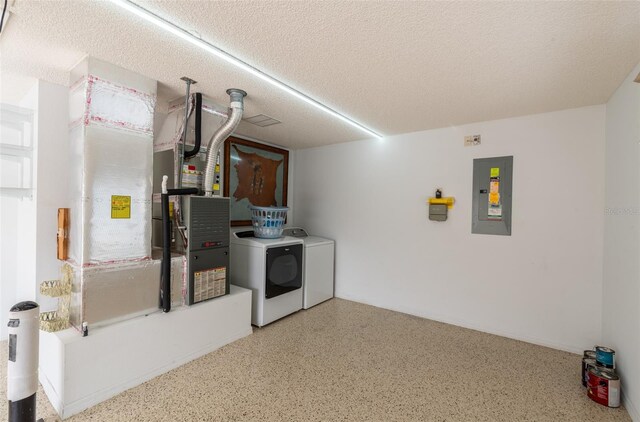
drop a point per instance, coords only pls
(396, 67)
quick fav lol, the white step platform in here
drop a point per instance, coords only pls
(79, 372)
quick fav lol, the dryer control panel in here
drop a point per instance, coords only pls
(295, 232)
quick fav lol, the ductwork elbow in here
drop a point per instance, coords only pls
(236, 109)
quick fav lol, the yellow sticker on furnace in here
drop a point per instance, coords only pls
(495, 171)
(120, 206)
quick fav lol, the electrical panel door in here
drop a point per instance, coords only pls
(492, 185)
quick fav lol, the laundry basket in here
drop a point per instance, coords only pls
(268, 222)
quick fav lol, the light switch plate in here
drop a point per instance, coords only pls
(472, 140)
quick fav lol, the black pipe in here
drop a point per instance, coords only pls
(183, 191)
(165, 285)
(165, 274)
(196, 147)
(23, 410)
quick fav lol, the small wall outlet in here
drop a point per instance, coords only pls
(471, 140)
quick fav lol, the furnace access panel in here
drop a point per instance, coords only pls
(207, 221)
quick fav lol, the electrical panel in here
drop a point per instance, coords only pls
(492, 186)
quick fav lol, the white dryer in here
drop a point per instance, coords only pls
(318, 267)
(272, 269)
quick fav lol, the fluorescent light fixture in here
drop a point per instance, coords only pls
(211, 49)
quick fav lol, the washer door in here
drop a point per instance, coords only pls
(284, 270)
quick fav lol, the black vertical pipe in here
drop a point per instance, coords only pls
(165, 283)
(23, 410)
(196, 146)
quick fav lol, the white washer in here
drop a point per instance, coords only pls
(272, 269)
(318, 267)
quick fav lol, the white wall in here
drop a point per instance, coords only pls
(543, 284)
(17, 248)
(26, 219)
(52, 181)
(621, 293)
(17, 221)
(29, 226)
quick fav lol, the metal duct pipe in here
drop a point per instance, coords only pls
(185, 126)
(237, 107)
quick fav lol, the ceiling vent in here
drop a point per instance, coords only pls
(262, 120)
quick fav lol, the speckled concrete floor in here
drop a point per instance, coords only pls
(347, 361)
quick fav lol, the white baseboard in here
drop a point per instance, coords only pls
(469, 325)
(50, 392)
(631, 408)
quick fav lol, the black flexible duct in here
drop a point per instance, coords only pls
(165, 285)
(196, 147)
(4, 10)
